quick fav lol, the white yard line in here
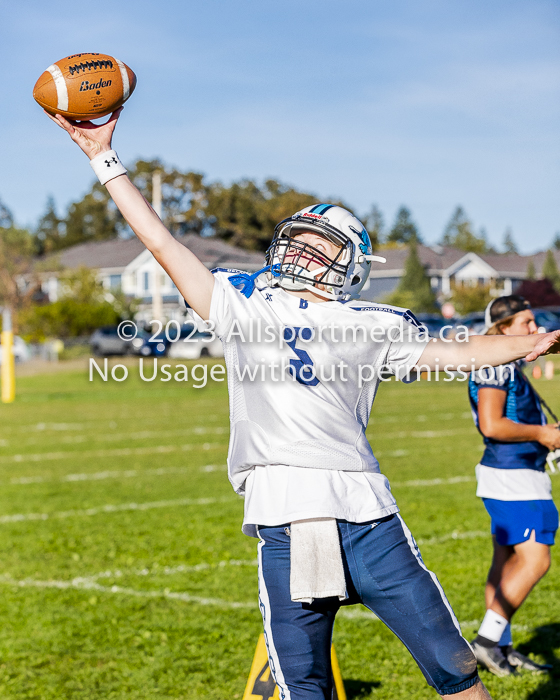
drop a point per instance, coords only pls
(170, 570)
(118, 436)
(88, 585)
(418, 434)
(110, 508)
(117, 452)
(139, 473)
(454, 536)
(157, 570)
(124, 474)
(161, 471)
(434, 482)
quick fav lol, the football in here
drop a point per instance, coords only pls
(84, 86)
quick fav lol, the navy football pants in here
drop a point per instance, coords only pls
(385, 572)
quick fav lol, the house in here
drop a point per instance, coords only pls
(447, 266)
(126, 264)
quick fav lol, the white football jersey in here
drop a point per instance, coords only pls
(302, 376)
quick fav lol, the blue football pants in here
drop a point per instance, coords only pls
(384, 571)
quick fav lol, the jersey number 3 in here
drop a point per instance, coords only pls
(302, 368)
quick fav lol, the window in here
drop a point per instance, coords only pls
(115, 281)
(146, 281)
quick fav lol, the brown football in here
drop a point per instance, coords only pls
(84, 86)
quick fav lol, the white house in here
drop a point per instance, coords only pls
(448, 265)
(128, 265)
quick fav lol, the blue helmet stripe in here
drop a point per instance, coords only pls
(321, 208)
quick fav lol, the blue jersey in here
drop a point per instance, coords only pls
(521, 406)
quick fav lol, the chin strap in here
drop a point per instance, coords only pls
(245, 283)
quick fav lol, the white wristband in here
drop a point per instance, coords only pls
(107, 166)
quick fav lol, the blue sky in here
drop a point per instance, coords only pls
(428, 103)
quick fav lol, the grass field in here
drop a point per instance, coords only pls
(125, 575)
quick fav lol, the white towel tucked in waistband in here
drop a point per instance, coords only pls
(316, 569)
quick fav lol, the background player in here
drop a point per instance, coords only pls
(318, 262)
(514, 486)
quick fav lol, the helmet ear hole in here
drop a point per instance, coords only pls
(355, 280)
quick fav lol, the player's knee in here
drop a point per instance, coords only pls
(542, 566)
(456, 668)
(451, 662)
(536, 564)
(457, 661)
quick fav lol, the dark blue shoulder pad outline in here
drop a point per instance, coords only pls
(407, 315)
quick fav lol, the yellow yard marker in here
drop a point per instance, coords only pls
(261, 685)
(8, 365)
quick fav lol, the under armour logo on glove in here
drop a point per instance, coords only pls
(112, 160)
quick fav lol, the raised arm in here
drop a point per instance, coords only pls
(192, 278)
(490, 350)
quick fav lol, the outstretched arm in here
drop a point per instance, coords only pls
(192, 278)
(490, 350)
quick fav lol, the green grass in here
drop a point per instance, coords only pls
(102, 599)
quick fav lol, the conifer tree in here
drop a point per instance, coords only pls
(531, 273)
(49, 234)
(375, 225)
(414, 291)
(404, 229)
(6, 218)
(509, 242)
(459, 234)
(550, 270)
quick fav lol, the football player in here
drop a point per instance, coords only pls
(329, 528)
(514, 486)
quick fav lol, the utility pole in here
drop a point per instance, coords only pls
(157, 305)
(8, 366)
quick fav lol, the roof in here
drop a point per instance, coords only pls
(440, 258)
(118, 253)
(216, 252)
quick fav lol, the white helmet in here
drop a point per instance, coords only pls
(341, 278)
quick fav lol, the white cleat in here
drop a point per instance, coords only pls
(493, 660)
(518, 660)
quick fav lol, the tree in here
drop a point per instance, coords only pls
(96, 218)
(82, 307)
(539, 293)
(531, 272)
(6, 218)
(93, 218)
(509, 243)
(246, 214)
(16, 260)
(404, 229)
(467, 299)
(550, 270)
(375, 225)
(50, 231)
(414, 291)
(459, 234)
(556, 242)
(184, 195)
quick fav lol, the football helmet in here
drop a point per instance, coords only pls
(341, 278)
